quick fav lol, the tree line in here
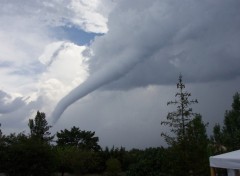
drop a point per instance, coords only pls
(77, 151)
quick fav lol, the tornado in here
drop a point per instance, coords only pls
(107, 74)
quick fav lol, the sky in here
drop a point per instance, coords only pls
(111, 66)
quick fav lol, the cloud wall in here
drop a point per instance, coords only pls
(200, 39)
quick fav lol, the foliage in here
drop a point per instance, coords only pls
(28, 156)
(73, 160)
(118, 153)
(113, 167)
(217, 141)
(84, 140)
(86, 162)
(65, 158)
(197, 147)
(231, 128)
(227, 138)
(39, 127)
(150, 162)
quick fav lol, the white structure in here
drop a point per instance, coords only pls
(229, 161)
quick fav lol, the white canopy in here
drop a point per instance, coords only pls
(229, 160)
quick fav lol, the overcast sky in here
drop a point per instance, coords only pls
(111, 66)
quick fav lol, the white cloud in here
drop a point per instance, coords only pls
(87, 15)
(66, 68)
(32, 61)
(34, 64)
(23, 41)
(26, 28)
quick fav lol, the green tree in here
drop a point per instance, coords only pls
(70, 159)
(150, 162)
(188, 142)
(231, 128)
(217, 141)
(84, 140)
(28, 157)
(66, 157)
(178, 120)
(197, 147)
(113, 167)
(227, 138)
(39, 127)
(87, 162)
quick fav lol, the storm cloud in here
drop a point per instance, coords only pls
(150, 43)
(200, 39)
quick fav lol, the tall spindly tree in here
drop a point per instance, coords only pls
(39, 127)
(178, 120)
(188, 140)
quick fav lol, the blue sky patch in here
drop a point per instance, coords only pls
(75, 35)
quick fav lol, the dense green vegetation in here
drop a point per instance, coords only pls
(77, 151)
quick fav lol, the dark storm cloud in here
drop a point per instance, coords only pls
(200, 39)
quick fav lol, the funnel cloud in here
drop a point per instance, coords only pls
(111, 72)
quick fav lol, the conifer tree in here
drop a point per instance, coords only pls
(228, 137)
(178, 120)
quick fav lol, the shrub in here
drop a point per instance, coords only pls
(113, 167)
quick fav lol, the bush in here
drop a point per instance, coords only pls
(149, 163)
(113, 167)
(28, 157)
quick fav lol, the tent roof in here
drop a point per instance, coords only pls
(229, 160)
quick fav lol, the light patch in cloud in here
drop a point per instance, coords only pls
(65, 61)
